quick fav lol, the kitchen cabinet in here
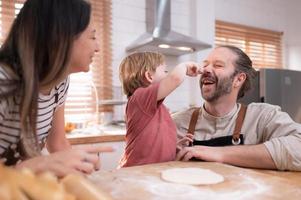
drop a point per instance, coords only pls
(109, 160)
(105, 136)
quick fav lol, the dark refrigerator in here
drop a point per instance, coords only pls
(279, 87)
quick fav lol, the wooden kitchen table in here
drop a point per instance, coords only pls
(144, 182)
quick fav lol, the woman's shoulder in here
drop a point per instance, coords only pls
(63, 84)
(6, 73)
(7, 81)
(62, 90)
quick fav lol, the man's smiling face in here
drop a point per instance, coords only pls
(218, 74)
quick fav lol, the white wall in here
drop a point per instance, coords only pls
(128, 23)
(196, 18)
(277, 15)
(128, 19)
(293, 32)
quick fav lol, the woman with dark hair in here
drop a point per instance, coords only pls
(48, 40)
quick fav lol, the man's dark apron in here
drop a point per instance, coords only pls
(235, 139)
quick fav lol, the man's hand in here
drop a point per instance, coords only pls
(252, 156)
(185, 141)
(213, 154)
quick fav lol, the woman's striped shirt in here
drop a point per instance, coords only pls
(10, 116)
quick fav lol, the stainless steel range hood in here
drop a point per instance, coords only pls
(159, 37)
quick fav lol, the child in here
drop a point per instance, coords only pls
(151, 133)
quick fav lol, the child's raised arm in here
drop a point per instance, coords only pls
(176, 77)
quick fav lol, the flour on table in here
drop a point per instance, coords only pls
(191, 176)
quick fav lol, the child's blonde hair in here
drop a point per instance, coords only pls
(132, 70)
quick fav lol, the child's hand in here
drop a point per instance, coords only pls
(185, 141)
(193, 69)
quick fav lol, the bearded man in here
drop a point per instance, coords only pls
(259, 135)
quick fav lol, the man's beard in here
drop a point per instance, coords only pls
(223, 86)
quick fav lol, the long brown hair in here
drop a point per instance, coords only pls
(36, 53)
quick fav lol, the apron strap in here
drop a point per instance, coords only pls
(238, 124)
(194, 119)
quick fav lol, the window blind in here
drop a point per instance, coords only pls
(86, 90)
(8, 10)
(263, 46)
